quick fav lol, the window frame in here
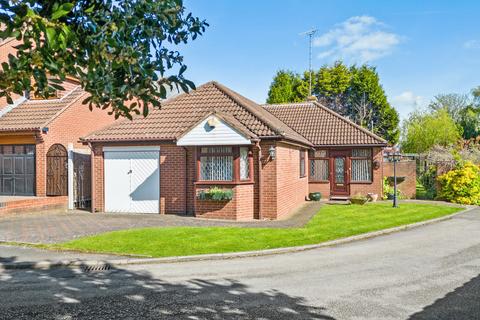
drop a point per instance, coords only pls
(370, 158)
(326, 158)
(235, 154)
(302, 160)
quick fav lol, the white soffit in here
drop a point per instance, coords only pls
(213, 131)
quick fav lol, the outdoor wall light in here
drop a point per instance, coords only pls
(272, 152)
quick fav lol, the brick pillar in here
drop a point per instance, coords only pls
(40, 169)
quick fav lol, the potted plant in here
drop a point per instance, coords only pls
(358, 199)
(315, 196)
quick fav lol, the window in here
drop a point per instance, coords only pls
(302, 163)
(244, 164)
(216, 164)
(319, 166)
(225, 164)
(319, 170)
(361, 165)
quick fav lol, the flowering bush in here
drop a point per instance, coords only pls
(461, 185)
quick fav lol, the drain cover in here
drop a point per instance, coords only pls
(96, 268)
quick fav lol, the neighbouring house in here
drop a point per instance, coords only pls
(35, 135)
(271, 157)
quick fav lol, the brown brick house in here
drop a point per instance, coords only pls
(214, 137)
(34, 137)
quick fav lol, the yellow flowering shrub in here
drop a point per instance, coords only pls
(461, 185)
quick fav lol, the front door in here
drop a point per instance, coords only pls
(339, 183)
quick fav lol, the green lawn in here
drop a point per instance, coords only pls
(331, 222)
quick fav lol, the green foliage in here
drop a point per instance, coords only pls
(216, 194)
(469, 121)
(123, 52)
(354, 92)
(284, 88)
(423, 130)
(389, 190)
(427, 181)
(461, 185)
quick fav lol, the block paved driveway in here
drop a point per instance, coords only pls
(60, 227)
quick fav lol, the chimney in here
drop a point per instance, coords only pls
(312, 99)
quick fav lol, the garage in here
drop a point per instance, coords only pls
(17, 170)
(132, 179)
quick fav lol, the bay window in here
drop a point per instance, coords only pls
(224, 164)
(361, 165)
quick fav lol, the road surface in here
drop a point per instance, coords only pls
(431, 272)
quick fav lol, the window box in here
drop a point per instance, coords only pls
(215, 194)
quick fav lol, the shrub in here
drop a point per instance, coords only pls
(388, 190)
(428, 179)
(461, 185)
(215, 194)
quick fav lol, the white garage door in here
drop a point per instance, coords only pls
(132, 179)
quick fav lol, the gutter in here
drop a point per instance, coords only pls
(260, 204)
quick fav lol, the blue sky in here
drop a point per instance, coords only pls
(420, 48)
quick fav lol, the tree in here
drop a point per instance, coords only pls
(284, 88)
(454, 104)
(354, 92)
(122, 52)
(469, 121)
(424, 130)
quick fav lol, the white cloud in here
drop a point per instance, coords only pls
(360, 39)
(472, 44)
(407, 102)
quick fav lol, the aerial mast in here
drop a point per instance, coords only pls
(310, 34)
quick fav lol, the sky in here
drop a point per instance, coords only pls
(419, 48)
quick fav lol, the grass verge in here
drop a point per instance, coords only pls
(331, 222)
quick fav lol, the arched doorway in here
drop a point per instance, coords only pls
(57, 173)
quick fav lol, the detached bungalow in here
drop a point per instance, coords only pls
(270, 157)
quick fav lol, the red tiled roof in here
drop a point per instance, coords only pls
(180, 113)
(36, 114)
(322, 126)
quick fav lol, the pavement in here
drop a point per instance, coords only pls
(430, 272)
(60, 227)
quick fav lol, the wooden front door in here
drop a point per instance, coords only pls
(339, 179)
(57, 173)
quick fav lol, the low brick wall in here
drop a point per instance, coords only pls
(407, 169)
(239, 208)
(34, 205)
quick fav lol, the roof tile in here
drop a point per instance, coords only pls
(322, 126)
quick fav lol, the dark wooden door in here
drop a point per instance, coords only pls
(57, 173)
(339, 180)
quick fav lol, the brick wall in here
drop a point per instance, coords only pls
(291, 188)
(6, 48)
(172, 179)
(376, 186)
(407, 169)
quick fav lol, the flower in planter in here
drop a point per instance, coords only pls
(215, 194)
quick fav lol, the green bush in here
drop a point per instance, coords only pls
(215, 194)
(428, 179)
(388, 190)
(461, 185)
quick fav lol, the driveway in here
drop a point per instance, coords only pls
(431, 272)
(60, 227)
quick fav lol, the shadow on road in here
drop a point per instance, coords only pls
(462, 303)
(121, 294)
